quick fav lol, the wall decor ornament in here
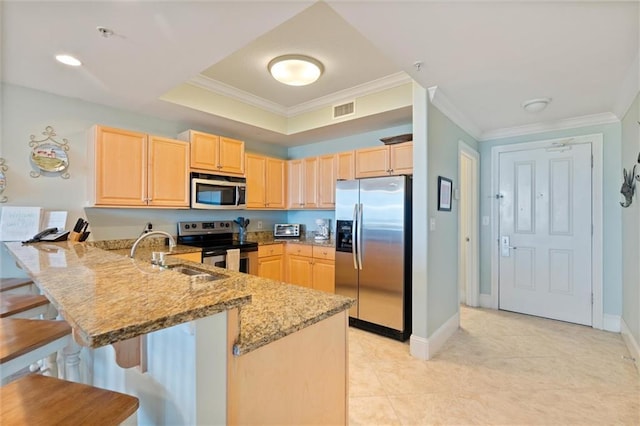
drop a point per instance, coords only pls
(48, 156)
(3, 180)
(628, 188)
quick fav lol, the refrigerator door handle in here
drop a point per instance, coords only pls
(359, 236)
(354, 237)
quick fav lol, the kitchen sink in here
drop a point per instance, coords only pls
(196, 273)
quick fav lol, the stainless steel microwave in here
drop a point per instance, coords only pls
(217, 192)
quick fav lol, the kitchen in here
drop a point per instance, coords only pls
(72, 118)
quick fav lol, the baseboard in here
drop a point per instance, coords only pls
(486, 301)
(631, 342)
(422, 348)
(611, 323)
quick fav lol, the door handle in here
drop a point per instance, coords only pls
(354, 236)
(505, 246)
(360, 236)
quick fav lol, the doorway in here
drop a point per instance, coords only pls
(468, 234)
(547, 225)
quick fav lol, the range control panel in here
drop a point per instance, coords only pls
(203, 228)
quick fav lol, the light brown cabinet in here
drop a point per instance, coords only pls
(311, 266)
(266, 178)
(212, 153)
(327, 181)
(192, 257)
(386, 160)
(346, 165)
(271, 261)
(312, 182)
(133, 169)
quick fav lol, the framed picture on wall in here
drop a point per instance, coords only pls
(445, 186)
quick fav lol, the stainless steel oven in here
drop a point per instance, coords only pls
(215, 238)
(217, 192)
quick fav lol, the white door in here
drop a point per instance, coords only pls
(545, 232)
(468, 263)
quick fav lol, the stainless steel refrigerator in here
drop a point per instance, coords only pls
(373, 252)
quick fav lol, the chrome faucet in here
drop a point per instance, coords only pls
(172, 242)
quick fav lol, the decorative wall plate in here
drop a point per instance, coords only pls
(3, 181)
(48, 156)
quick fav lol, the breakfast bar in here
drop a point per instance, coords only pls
(220, 347)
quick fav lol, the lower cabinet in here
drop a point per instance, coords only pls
(311, 266)
(192, 257)
(271, 261)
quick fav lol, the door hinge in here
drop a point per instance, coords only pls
(592, 298)
(592, 161)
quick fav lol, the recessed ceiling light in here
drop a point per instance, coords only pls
(68, 60)
(536, 105)
(295, 70)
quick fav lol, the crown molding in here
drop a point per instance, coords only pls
(352, 93)
(440, 101)
(629, 89)
(569, 123)
(206, 83)
(374, 86)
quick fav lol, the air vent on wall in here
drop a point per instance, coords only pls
(345, 109)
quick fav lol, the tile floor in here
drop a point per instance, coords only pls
(499, 368)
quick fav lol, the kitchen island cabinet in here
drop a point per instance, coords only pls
(215, 350)
(133, 169)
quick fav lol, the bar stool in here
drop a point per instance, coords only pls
(41, 400)
(25, 306)
(26, 341)
(18, 286)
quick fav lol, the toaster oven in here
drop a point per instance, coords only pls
(286, 230)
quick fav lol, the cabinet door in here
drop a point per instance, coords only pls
(310, 187)
(168, 176)
(192, 257)
(296, 184)
(401, 158)
(300, 271)
(346, 167)
(271, 267)
(204, 150)
(275, 186)
(231, 156)
(327, 181)
(256, 172)
(324, 275)
(371, 162)
(120, 167)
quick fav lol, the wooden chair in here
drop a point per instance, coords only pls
(41, 400)
(18, 286)
(26, 341)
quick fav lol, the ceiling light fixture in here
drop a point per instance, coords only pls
(535, 105)
(68, 60)
(295, 70)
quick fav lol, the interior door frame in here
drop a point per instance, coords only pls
(597, 317)
(472, 293)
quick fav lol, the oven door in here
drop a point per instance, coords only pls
(248, 261)
(213, 194)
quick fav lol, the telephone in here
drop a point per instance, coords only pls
(49, 234)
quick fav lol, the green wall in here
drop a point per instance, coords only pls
(612, 285)
(631, 224)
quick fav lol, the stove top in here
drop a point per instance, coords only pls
(212, 236)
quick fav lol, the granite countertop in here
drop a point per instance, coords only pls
(95, 291)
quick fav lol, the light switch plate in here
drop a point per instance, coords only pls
(432, 224)
(485, 220)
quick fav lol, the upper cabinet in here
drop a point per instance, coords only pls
(312, 182)
(133, 169)
(213, 153)
(346, 165)
(384, 161)
(265, 182)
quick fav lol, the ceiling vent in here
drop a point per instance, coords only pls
(344, 110)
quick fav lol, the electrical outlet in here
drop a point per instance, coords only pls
(259, 224)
